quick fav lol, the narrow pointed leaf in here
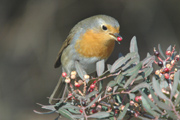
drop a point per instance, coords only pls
(94, 100)
(169, 48)
(119, 78)
(122, 60)
(172, 115)
(147, 72)
(109, 67)
(48, 107)
(81, 72)
(157, 89)
(112, 83)
(115, 88)
(143, 118)
(70, 106)
(132, 61)
(133, 45)
(129, 81)
(139, 86)
(134, 48)
(177, 99)
(118, 98)
(150, 102)
(118, 63)
(175, 83)
(100, 85)
(66, 114)
(132, 70)
(99, 115)
(131, 96)
(148, 108)
(78, 116)
(100, 67)
(43, 113)
(91, 94)
(159, 103)
(160, 51)
(122, 114)
(148, 59)
(74, 111)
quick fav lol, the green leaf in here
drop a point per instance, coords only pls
(109, 67)
(143, 118)
(139, 86)
(175, 83)
(122, 114)
(177, 99)
(94, 100)
(119, 78)
(129, 81)
(66, 114)
(91, 94)
(150, 102)
(47, 107)
(43, 113)
(112, 118)
(148, 60)
(122, 60)
(70, 106)
(99, 115)
(81, 72)
(112, 83)
(115, 88)
(133, 45)
(100, 85)
(160, 51)
(91, 81)
(172, 115)
(134, 48)
(159, 103)
(157, 89)
(118, 63)
(132, 61)
(78, 116)
(118, 98)
(74, 111)
(146, 71)
(132, 70)
(148, 108)
(100, 67)
(169, 48)
(131, 96)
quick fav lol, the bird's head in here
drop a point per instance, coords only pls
(104, 27)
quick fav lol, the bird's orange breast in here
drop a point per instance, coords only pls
(93, 44)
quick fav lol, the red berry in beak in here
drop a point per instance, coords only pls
(119, 39)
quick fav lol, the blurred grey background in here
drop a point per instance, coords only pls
(32, 32)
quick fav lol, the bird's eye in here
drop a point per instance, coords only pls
(104, 27)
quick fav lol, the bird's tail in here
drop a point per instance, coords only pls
(58, 92)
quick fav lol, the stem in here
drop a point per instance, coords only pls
(83, 108)
(174, 109)
(110, 75)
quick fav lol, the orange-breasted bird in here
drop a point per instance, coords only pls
(88, 42)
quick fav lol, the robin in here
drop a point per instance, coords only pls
(88, 42)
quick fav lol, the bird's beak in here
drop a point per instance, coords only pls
(117, 37)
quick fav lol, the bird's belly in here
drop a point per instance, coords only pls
(88, 64)
(69, 57)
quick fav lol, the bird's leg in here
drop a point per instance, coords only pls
(65, 89)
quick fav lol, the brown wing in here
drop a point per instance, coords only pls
(65, 44)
